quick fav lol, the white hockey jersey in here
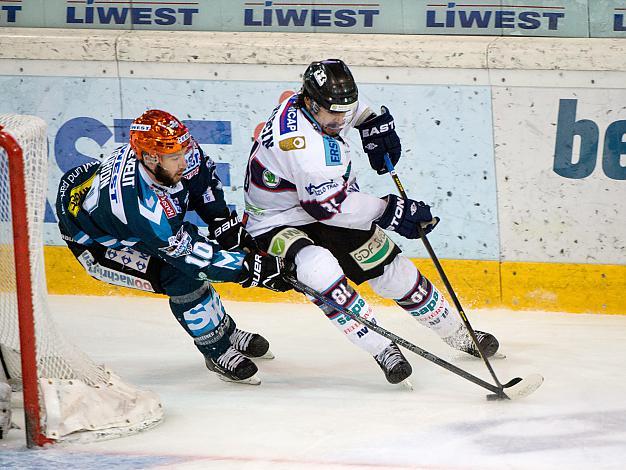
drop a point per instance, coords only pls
(298, 175)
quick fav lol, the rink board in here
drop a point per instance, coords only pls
(576, 18)
(517, 145)
(576, 288)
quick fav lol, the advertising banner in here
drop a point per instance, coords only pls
(607, 18)
(503, 18)
(561, 174)
(572, 18)
(445, 130)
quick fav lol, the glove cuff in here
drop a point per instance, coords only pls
(393, 212)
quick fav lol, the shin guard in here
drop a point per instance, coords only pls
(202, 315)
(344, 295)
(429, 307)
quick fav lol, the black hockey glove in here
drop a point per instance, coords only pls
(404, 215)
(264, 271)
(230, 234)
(378, 136)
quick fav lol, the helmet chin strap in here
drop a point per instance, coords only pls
(310, 116)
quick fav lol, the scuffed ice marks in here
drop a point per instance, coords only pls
(561, 432)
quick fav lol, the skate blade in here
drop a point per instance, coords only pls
(406, 385)
(468, 357)
(254, 380)
(268, 355)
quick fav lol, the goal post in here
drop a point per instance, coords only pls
(66, 395)
(23, 283)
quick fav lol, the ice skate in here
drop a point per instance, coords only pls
(462, 341)
(232, 366)
(394, 364)
(251, 344)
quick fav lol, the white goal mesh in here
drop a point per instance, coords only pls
(71, 385)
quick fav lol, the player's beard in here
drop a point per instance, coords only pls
(164, 177)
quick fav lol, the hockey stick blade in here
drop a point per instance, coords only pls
(524, 387)
(517, 388)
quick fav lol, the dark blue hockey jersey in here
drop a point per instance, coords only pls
(117, 204)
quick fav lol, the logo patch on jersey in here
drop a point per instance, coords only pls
(289, 118)
(332, 151)
(76, 195)
(129, 258)
(374, 251)
(283, 240)
(190, 174)
(111, 276)
(270, 179)
(179, 244)
(292, 143)
(168, 206)
(208, 196)
(192, 158)
(321, 188)
(118, 174)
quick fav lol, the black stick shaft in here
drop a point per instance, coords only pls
(393, 337)
(444, 278)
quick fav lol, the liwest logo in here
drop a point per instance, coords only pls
(453, 15)
(326, 14)
(154, 13)
(589, 133)
(10, 11)
(619, 24)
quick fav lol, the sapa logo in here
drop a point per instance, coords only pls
(565, 163)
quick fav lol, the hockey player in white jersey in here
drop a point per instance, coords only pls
(303, 204)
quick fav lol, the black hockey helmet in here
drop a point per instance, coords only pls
(330, 84)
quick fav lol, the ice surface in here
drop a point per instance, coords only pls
(325, 404)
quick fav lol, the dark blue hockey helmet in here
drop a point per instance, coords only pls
(331, 85)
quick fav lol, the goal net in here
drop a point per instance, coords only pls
(66, 395)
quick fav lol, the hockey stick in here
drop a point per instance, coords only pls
(516, 388)
(444, 278)
(3, 366)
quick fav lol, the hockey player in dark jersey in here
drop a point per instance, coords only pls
(303, 203)
(123, 219)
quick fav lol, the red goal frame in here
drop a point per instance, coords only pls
(21, 253)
